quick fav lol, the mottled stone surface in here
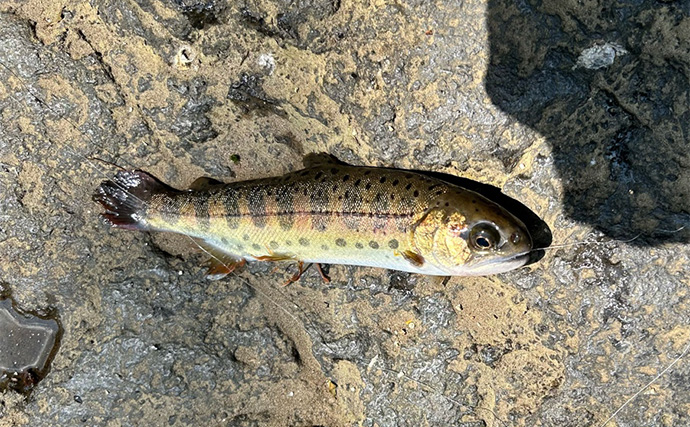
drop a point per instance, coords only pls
(487, 90)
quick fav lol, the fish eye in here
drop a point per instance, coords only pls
(484, 237)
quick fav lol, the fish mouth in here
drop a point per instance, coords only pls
(501, 265)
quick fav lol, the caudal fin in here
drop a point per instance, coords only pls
(126, 197)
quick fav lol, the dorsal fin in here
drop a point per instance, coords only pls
(204, 183)
(319, 159)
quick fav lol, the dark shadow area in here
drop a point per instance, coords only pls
(618, 127)
(537, 228)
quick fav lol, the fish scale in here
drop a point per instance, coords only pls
(328, 213)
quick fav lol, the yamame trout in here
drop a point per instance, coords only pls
(331, 213)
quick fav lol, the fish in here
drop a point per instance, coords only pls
(329, 212)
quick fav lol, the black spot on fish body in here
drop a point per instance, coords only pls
(321, 224)
(395, 182)
(393, 244)
(303, 241)
(408, 186)
(245, 237)
(273, 244)
(373, 245)
(324, 247)
(358, 245)
(382, 180)
(224, 240)
(341, 242)
(256, 247)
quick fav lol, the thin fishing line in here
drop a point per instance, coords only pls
(587, 242)
(646, 386)
(401, 374)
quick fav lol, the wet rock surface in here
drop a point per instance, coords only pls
(489, 91)
(27, 346)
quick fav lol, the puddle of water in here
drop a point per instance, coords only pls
(28, 344)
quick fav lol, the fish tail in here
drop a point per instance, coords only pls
(126, 197)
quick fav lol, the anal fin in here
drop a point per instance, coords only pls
(220, 268)
(221, 263)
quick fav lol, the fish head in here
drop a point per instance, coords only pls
(465, 234)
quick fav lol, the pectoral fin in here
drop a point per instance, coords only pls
(275, 257)
(414, 258)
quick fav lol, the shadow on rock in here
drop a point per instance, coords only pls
(607, 85)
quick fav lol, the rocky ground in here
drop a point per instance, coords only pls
(579, 110)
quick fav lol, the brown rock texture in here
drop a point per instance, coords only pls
(490, 90)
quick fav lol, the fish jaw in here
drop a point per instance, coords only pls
(493, 266)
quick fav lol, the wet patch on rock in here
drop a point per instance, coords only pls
(28, 344)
